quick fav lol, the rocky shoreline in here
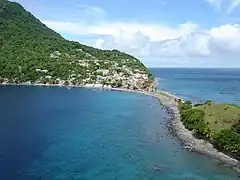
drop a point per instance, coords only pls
(189, 142)
(187, 138)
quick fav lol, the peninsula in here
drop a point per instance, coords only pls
(31, 53)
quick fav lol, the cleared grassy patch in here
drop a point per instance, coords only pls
(220, 116)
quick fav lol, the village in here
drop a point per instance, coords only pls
(96, 74)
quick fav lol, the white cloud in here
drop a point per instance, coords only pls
(151, 41)
(192, 45)
(230, 5)
(215, 3)
(93, 11)
(226, 40)
(123, 29)
(155, 43)
(233, 5)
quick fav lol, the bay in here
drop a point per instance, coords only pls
(60, 133)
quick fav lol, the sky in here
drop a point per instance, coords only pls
(161, 33)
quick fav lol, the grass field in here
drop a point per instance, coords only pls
(220, 116)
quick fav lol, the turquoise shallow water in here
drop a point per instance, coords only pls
(59, 133)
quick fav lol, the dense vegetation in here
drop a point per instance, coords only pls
(225, 137)
(26, 45)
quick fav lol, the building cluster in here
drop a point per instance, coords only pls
(94, 73)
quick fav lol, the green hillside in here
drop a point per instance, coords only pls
(30, 51)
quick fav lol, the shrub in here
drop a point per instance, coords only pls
(229, 141)
(185, 105)
(236, 127)
(193, 119)
(208, 102)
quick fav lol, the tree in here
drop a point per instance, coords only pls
(27, 45)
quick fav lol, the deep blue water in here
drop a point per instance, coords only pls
(80, 134)
(220, 85)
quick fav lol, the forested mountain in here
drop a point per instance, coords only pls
(30, 51)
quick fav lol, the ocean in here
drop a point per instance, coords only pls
(53, 133)
(219, 85)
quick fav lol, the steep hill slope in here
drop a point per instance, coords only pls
(31, 52)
